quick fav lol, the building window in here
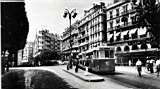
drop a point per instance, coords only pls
(125, 20)
(144, 46)
(117, 12)
(111, 24)
(126, 37)
(117, 20)
(111, 14)
(106, 53)
(133, 19)
(134, 36)
(118, 37)
(118, 49)
(125, 9)
(135, 47)
(126, 48)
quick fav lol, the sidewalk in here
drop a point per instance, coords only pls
(125, 74)
(148, 80)
(90, 77)
(133, 70)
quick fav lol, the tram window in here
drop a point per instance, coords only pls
(106, 53)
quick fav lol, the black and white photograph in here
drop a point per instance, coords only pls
(80, 44)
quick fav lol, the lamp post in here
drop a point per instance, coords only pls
(70, 15)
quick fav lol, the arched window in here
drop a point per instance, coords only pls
(118, 49)
(126, 48)
(144, 46)
(135, 47)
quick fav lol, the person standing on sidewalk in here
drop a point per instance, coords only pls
(158, 67)
(130, 63)
(86, 67)
(148, 65)
(139, 67)
(77, 62)
(151, 66)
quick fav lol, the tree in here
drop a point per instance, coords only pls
(47, 55)
(148, 13)
(15, 27)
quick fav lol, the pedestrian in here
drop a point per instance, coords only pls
(130, 63)
(139, 67)
(77, 63)
(86, 67)
(151, 66)
(158, 67)
(148, 65)
(68, 66)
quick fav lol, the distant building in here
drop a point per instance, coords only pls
(20, 56)
(46, 41)
(25, 54)
(131, 41)
(55, 42)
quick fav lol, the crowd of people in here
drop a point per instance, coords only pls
(150, 65)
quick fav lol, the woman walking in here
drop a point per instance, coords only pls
(139, 67)
(158, 67)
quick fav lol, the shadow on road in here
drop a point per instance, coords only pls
(33, 79)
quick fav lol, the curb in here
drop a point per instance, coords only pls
(88, 80)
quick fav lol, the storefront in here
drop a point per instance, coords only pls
(123, 58)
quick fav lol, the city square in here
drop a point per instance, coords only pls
(111, 44)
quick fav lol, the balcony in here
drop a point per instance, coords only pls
(125, 12)
(127, 40)
(111, 29)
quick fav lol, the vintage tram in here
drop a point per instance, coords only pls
(100, 59)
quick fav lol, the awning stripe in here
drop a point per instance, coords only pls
(142, 31)
(124, 33)
(132, 31)
(110, 36)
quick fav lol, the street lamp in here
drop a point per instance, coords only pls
(70, 15)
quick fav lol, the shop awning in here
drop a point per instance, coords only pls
(82, 44)
(37, 54)
(124, 33)
(142, 31)
(117, 34)
(138, 53)
(133, 31)
(110, 36)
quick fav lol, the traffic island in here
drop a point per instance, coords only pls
(90, 77)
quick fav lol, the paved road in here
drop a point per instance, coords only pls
(129, 75)
(81, 84)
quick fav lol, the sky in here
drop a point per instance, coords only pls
(49, 14)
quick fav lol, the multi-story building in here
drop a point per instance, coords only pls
(46, 41)
(25, 54)
(70, 35)
(92, 32)
(42, 41)
(56, 42)
(131, 41)
(20, 56)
